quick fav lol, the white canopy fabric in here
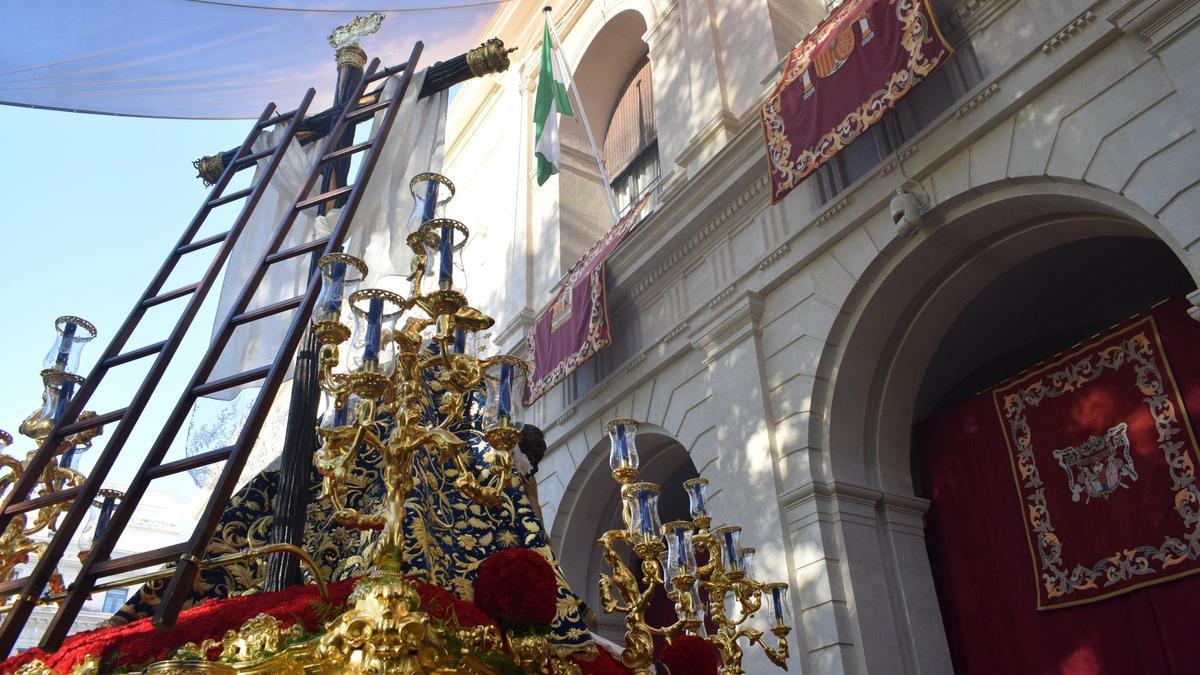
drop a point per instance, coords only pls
(415, 144)
(207, 59)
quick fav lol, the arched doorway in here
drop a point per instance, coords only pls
(592, 506)
(933, 317)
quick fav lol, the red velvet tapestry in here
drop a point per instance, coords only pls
(575, 324)
(840, 80)
(1072, 487)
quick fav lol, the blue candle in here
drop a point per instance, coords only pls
(644, 511)
(430, 205)
(64, 347)
(340, 415)
(731, 551)
(64, 399)
(698, 490)
(622, 444)
(680, 546)
(446, 273)
(337, 277)
(106, 513)
(504, 405)
(374, 329)
(68, 458)
(460, 340)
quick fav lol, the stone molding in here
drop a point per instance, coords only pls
(898, 158)
(735, 207)
(977, 100)
(1077, 24)
(774, 256)
(1155, 21)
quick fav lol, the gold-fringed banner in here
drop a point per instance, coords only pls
(841, 79)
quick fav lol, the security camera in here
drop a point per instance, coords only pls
(907, 209)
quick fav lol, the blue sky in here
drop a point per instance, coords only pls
(92, 205)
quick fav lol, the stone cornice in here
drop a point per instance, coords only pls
(1156, 21)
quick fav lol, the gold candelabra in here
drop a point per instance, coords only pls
(396, 376)
(59, 380)
(704, 571)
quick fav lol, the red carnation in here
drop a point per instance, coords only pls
(517, 588)
(690, 655)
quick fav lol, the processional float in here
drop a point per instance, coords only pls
(404, 357)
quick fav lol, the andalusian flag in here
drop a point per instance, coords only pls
(551, 100)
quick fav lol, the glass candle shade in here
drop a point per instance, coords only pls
(641, 502)
(748, 561)
(439, 240)
(697, 492)
(6, 439)
(695, 614)
(681, 557)
(431, 192)
(333, 415)
(340, 276)
(777, 604)
(622, 453)
(731, 551)
(57, 389)
(108, 506)
(71, 334)
(504, 381)
(372, 345)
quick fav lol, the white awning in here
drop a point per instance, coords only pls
(208, 59)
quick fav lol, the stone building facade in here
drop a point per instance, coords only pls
(786, 351)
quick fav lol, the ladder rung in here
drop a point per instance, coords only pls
(251, 159)
(171, 295)
(45, 500)
(134, 355)
(189, 463)
(158, 556)
(231, 381)
(232, 197)
(314, 245)
(324, 197)
(268, 310)
(197, 245)
(92, 422)
(349, 150)
(12, 585)
(276, 120)
(367, 110)
(387, 72)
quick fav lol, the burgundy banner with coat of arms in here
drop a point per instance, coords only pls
(575, 325)
(841, 79)
(1064, 508)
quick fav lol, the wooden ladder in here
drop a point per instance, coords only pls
(189, 554)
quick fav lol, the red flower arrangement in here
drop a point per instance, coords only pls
(139, 642)
(690, 655)
(517, 588)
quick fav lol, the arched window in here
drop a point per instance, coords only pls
(631, 143)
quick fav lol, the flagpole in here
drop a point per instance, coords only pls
(562, 62)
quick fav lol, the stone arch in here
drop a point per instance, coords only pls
(873, 367)
(591, 506)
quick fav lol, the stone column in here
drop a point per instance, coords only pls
(744, 485)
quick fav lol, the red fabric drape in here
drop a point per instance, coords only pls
(982, 558)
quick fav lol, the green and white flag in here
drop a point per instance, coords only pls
(551, 100)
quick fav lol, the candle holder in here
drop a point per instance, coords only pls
(676, 567)
(622, 454)
(340, 276)
(71, 334)
(58, 387)
(431, 192)
(399, 375)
